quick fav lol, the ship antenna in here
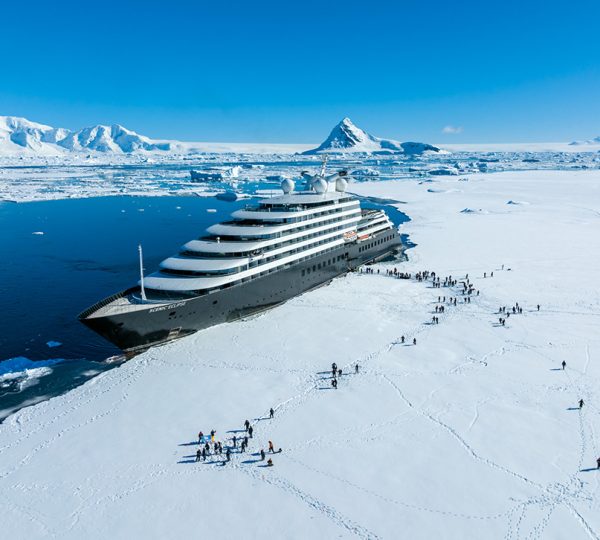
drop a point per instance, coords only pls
(323, 164)
(142, 272)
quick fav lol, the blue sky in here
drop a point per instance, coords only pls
(288, 71)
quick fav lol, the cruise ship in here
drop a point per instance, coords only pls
(266, 254)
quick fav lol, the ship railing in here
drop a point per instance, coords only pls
(102, 303)
(268, 209)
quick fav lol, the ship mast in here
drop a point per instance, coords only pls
(324, 164)
(142, 272)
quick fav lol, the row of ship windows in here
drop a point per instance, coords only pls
(235, 238)
(328, 262)
(271, 270)
(253, 264)
(368, 224)
(300, 208)
(206, 255)
(259, 222)
(375, 243)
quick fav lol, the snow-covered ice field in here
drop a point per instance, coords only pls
(472, 433)
(37, 178)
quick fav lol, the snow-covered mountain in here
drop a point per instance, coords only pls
(348, 138)
(113, 138)
(21, 136)
(594, 141)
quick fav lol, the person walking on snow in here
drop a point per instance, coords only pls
(198, 454)
(228, 455)
(271, 447)
(200, 437)
(356, 369)
(250, 430)
(414, 341)
(271, 413)
(564, 365)
(246, 425)
(598, 463)
(581, 403)
(334, 383)
(262, 454)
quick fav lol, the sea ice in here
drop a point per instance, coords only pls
(25, 371)
(474, 432)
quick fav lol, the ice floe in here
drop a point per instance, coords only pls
(24, 372)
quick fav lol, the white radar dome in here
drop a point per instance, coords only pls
(287, 186)
(320, 185)
(341, 184)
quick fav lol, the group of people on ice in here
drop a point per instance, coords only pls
(467, 290)
(211, 446)
(400, 275)
(337, 372)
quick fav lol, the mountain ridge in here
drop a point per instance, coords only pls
(594, 141)
(346, 137)
(20, 135)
